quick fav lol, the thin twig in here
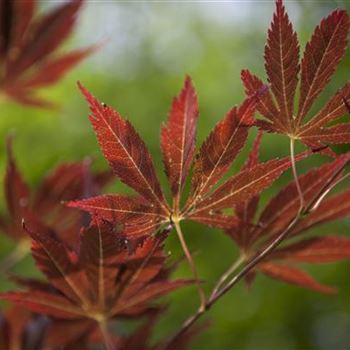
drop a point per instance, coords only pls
(295, 175)
(236, 264)
(316, 201)
(192, 264)
(108, 342)
(248, 267)
(214, 297)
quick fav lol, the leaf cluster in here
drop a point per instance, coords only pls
(105, 262)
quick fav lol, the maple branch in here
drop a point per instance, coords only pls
(22, 249)
(236, 264)
(248, 267)
(295, 174)
(251, 264)
(192, 264)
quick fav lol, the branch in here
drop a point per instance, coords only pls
(192, 264)
(236, 264)
(215, 296)
(108, 342)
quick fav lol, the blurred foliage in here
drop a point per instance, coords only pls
(147, 50)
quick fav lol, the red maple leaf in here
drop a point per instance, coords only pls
(99, 282)
(322, 54)
(27, 48)
(131, 162)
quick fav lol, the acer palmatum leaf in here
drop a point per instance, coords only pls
(124, 149)
(321, 56)
(28, 45)
(99, 282)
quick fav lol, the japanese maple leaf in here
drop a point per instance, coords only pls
(98, 283)
(322, 54)
(44, 206)
(141, 215)
(27, 48)
(130, 161)
(252, 235)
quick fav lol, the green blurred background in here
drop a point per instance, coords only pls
(148, 48)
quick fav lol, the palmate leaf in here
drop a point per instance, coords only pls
(253, 235)
(28, 44)
(322, 54)
(100, 282)
(131, 162)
